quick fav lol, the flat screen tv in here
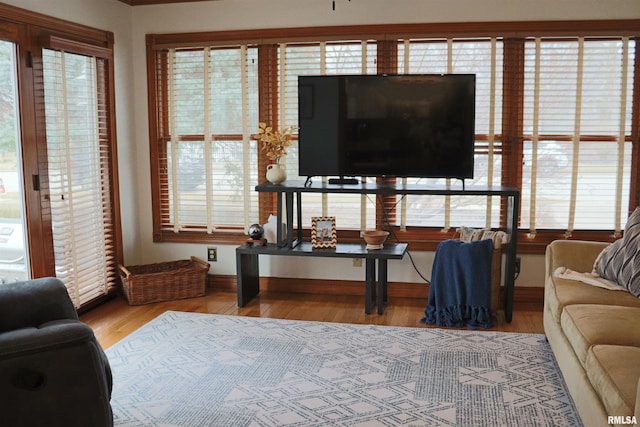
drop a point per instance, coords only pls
(387, 125)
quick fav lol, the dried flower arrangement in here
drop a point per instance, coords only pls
(275, 142)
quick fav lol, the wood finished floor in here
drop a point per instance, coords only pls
(115, 319)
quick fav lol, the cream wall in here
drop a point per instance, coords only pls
(130, 24)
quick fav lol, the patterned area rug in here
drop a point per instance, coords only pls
(186, 369)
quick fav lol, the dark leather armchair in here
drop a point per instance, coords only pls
(53, 371)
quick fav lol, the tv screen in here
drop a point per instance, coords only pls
(387, 125)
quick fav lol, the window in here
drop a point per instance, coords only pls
(577, 128)
(204, 139)
(553, 118)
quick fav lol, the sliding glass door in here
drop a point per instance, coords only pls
(14, 259)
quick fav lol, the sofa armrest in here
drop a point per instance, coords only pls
(34, 302)
(577, 255)
(637, 412)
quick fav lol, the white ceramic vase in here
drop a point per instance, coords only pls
(276, 173)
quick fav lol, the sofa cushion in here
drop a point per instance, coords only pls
(586, 325)
(614, 371)
(620, 261)
(563, 292)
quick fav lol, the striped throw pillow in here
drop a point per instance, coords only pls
(620, 261)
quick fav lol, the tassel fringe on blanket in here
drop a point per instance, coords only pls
(458, 316)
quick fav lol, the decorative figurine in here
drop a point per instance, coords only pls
(256, 232)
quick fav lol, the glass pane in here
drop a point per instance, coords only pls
(14, 260)
(597, 182)
(226, 199)
(552, 184)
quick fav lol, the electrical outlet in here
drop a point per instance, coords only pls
(357, 262)
(212, 254)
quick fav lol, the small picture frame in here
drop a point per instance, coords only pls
(323, 232)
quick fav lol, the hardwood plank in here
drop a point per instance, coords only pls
(115, 319)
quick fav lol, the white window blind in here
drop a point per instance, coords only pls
(83, 234)
(577, 125)
(330, 58)
(211, 159)
(483, 58)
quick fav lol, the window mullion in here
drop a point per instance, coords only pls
(512, 111)
(387, 63)
(267, 108)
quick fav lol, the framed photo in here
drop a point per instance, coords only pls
(323, 232)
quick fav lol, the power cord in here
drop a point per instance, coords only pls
(387, 225)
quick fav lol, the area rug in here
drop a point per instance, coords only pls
(190, 370)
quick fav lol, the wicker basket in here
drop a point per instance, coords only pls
(165, 281)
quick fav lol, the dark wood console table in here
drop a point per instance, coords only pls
(375, 287)
(292, 245)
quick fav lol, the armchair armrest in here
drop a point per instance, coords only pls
(52, 369)
(577, 255)
(34, 302)
(49, 336)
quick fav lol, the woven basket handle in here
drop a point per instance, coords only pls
(201, 262)
(124, 271)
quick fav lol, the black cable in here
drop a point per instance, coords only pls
(389, 227)
(308, 182)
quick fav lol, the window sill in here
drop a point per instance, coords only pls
(232, 237)
(423, 240)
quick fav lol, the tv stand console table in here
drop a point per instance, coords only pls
(292, 244)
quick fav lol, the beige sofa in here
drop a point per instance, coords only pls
(595, 336)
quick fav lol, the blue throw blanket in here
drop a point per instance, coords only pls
(460, 290)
